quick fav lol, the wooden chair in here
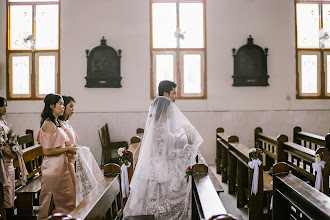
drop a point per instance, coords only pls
(109, 148)
(26, 140)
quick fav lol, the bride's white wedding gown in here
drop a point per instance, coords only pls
(169, 146)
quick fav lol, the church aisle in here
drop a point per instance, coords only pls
(229, 201)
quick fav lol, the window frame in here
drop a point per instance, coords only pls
(178, 74)
(322, 65)
(33, 76)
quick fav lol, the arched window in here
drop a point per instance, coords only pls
(178, 46)
(33, 45)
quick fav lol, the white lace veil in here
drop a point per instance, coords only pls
(169, 146)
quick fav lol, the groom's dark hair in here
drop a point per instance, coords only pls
(165, 86)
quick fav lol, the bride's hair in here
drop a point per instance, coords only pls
(3, 102)
(67, 100)
(162, 104)
(50, 99)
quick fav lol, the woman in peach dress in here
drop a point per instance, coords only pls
(57, 189)
(73, 137)
(8, 169)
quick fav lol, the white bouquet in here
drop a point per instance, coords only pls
(2, 138)
(13, 139)
(189, 130)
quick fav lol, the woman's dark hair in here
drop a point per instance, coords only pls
(3, 102)
(165, 86)
(162, 105)
(50, 99)
(67, 100)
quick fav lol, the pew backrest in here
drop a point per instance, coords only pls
(271, 146)
(26, 140)
(309, 140)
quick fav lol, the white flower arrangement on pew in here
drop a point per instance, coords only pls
(318, 157)
(13, 140)
(124, 155)
(318, 166)
(255, 154)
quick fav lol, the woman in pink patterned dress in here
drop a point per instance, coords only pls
(73, 137)
(8, 169)
(57, 190)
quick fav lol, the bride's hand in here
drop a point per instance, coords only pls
(72, 150)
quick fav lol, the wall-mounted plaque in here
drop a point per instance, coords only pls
(250, 65)
(103, 67)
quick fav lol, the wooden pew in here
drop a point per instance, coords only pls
(213, 178)
(309, 140)
(206, 203)
(299, 156)
(301, 159)
(26, 195)
(103, 202)
(234, 167)
(294, 199)
(26, 140)
(220, 132)
(222, 153)
(240, 177)
(272, 147)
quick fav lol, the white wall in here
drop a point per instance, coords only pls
(228, 23)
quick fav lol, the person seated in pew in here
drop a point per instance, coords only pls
(7, 171)
(57, 190)
(169, 146)
(69, 103)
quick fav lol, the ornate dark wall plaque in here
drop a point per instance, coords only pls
(103, 67)
(250, 65)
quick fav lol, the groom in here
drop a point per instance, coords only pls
(168, 89)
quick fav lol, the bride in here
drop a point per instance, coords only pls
(169, 147)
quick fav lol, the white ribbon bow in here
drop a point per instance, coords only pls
(254, 164)
(318, 166)
(124, 179)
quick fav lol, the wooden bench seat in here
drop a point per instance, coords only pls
(26, 198)
(213, 178)
(294, 199)
(28, 195)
